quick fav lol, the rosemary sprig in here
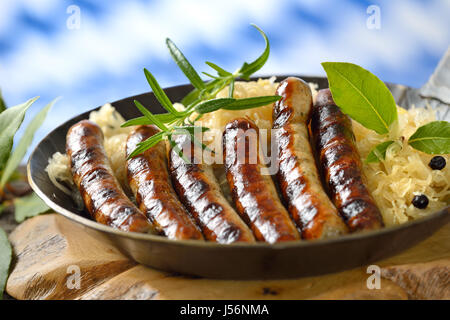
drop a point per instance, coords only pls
(200, 101)
(223, 78)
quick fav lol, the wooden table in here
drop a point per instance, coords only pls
(50, 250)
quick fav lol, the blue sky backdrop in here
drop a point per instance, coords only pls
(102, 60)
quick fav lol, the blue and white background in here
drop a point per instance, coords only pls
(92, 52)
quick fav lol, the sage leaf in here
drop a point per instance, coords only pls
(10, 121)
(21, 149)
(248, 69)
(29, 206)
(185, 65)
(249, 103)
(361, 95)
(432, 138)
(5, 260)
(378, 153)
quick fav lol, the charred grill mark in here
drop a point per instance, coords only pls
(361, 214)
(254, 195)
(335, 132)
(200, 193)
(341, 165)
(100, 191)
(337, 152)
(102, 195)
(329, 114)
(149, 179)
(282, 112)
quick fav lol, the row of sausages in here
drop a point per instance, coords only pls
(183, 200)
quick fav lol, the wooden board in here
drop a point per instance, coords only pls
(50, 250)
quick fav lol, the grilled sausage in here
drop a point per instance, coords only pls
(149, 180)
(200, 192)
(100, 190)
(297, 175)
(340, 164)
(254, 193)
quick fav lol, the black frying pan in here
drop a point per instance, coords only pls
(234, 261)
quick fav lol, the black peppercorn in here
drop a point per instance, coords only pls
(437, 163)
(420, 201)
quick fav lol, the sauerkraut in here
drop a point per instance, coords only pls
(405, 171)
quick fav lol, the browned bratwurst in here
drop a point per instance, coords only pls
(340, 163)
(200, 192)
(150, 182)
(92, 173)
(254, 193)
(297, 175)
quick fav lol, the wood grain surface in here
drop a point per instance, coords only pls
(49, 248)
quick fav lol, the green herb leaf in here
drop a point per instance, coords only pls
(10, 121)
(378, 153)
(29, 206)
(210, 75)
(432, 138)
(220, 71)
(191, 129)
(147, 144)
(191, 97)
(196, 93)
(249, 103)
(2, 103)
(231, 89)
(248, 69)
(184, 65)
(136, 122)
(159, 93)
(213, 105)
(21, 149)
(361, 95)
(163, 117)
(201, 100)
(150, 116)
(5, 260)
